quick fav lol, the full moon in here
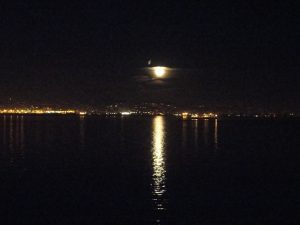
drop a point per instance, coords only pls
(159, 71)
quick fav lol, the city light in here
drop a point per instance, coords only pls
(185, 115)
(209, 115)
(37, 111)
(125, 113)
(195, 116)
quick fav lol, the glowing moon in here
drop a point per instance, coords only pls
(159, 71)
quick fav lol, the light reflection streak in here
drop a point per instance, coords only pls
(216, 134)
(19, 139)
(122, 134)
(17, 132)
(4, 130)
(158, 164)
(196, 133)
(184, 133)
(11, 141)
(11, 132)
(14, 139)
(206, 131)
(82, 130)
(22, 133)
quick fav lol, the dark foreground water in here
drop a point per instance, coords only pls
(92, 170)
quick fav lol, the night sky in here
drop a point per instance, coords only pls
(243, 54)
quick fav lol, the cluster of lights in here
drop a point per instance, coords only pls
(186, 115)
(126, 113)
(37, 111)
(270, 115)
(209, 115)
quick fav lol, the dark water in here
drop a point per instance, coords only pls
(92, 170)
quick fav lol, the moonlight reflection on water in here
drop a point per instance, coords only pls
(158, 163)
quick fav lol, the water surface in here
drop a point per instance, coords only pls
(154, 170)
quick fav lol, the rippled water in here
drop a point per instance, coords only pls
(156, 170)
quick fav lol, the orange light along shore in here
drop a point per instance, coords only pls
(40, 111)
